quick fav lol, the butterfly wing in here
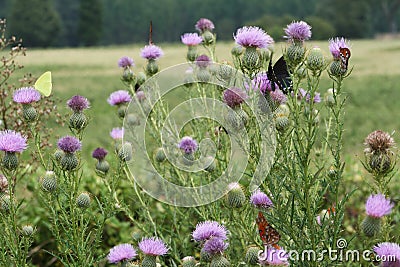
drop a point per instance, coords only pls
(344, 58)
(279, 74)
(268, 234)
(43, 84)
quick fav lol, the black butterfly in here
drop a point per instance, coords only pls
(279, 74)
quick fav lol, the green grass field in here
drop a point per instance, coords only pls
(93, 72)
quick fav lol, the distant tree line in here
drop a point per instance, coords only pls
(46, 23)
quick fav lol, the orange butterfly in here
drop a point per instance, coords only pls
(268, 234)
(344, 58)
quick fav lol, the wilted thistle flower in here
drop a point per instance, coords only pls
(274, 257)
(389, 253)
(235, 197)
(78, 103)
(122, 252)
(125, 62)
(376, 207)
(26, 96)
(234, 97)
(152, 247)
(188, 261)
(260, 200)
(27, 230)
(11, 142)
(208, 229)
(378, 152)
(3, 184)
(69, 145)
(83, 200)
(99, 153)
(298, 31)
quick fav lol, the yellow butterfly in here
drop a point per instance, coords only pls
(43, 84)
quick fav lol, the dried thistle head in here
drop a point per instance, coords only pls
(378, 142)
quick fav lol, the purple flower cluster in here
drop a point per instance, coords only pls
(253, 37)
(119, 97)
(26, 95)
(69, 144)
(12, 141)
(389, 253)
(191, 39)
(209, 229)
(203, 61)
(153, 246)
(188, 145)
(234, 97)
(335, 44)
(298, 31)
(99, 153)
(262, 83)
(260, 200)
(204, 24)
(117, 133)
(378, 206)
(125, 62)
(151, 52)
(303, 94)
(122, 252)
(78, 103)
(278, 96)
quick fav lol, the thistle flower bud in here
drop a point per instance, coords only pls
(141, 78)
(191, 53)
(281, 122)
(316, 60)
(295, 54)
(5, 202)
(78, 121)
(380, 163)
(235, 197)
(102, 166)
(58, 155)
(49, 182)
(252, 256)
(219, 261)
(69, 162)
(29, 113)
(250, 59)
(211, 164)
(27, 230)
(208, 37)
(152, 67)
(203, 75)
(10, 161)
(204, 256)
(83, 200)
(125, 152)
(329, 98)
(336, 69)
(121, 111)
(237, 50)
(188, 261)
(160, 155)
(128, 76)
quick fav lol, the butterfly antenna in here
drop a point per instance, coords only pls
(151, 33)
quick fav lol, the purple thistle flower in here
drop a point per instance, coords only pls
(121, 252)
(117, 133)
(188, 145)
(378, 206)
(335, 44)
(99, 153)
(119, 97)
(203, 61)
(125, 62)
(215, 246)
(262, 83)
(278, 96)
(78, 103)
(208, 229)
(298, 31)
(151, 52)
(234, 97)
(274, 257)
(12, 141)
(69, 144)
(204, 24)
(153, 246)
(253, 37)
(389, 253)
(26, 95)
(304, 94)
(260, 200)
(191, 39)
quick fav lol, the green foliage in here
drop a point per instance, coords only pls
(36, 21)
(321, 29)
(90, 22)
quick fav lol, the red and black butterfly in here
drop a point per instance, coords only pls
(268, 234)
(279, 74)
(344, 58)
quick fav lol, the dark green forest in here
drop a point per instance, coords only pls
(44, 23)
